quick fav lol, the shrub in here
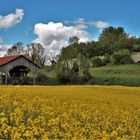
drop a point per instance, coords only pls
(41, 78)
(86, 75)
(68, 75)
(97, 61)
(106, 59)
(28, 80)
(63, 78)
(136, 48)
(74, 74)
(122, 56)
(63, 74)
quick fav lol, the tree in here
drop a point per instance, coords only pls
(36, 53)
(73, 40)
(89, 49)
(16, 49)
(121, 57)
(69, 52)
(112, 39)
(41, 78)
(86, 75)
(97, 61)
(74, 73)
(63, 73)
(52, 59)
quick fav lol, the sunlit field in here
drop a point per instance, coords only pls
(69, 112)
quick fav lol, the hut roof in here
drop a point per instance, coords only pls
(6, 59)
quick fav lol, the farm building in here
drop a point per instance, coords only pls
(16, 67)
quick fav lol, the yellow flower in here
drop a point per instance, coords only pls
(69, 112)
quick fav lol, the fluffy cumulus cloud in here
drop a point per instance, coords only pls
(54, 36)
(11, 19)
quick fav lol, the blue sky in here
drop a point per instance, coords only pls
(91, 13)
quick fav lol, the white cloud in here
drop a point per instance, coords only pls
(100, 24)
(81, 26)
(11, 19)
(79, 23)
(76, 21)
(54, 36)
(82, 22)
(3, 49)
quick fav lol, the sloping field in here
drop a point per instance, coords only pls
(69, 112)
(128, 75)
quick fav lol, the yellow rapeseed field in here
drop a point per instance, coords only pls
(69, 112)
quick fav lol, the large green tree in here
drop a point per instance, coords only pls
(69, 52)
(112, 39)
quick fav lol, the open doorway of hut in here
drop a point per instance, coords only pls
(18, 74)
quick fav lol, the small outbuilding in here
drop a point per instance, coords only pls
(16, 67)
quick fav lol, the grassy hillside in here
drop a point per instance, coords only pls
(117, 75)
(128, 75)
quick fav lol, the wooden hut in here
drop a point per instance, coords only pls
(17, 67)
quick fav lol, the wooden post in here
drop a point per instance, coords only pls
(34, 79)
(34, 75)
(5, 79)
